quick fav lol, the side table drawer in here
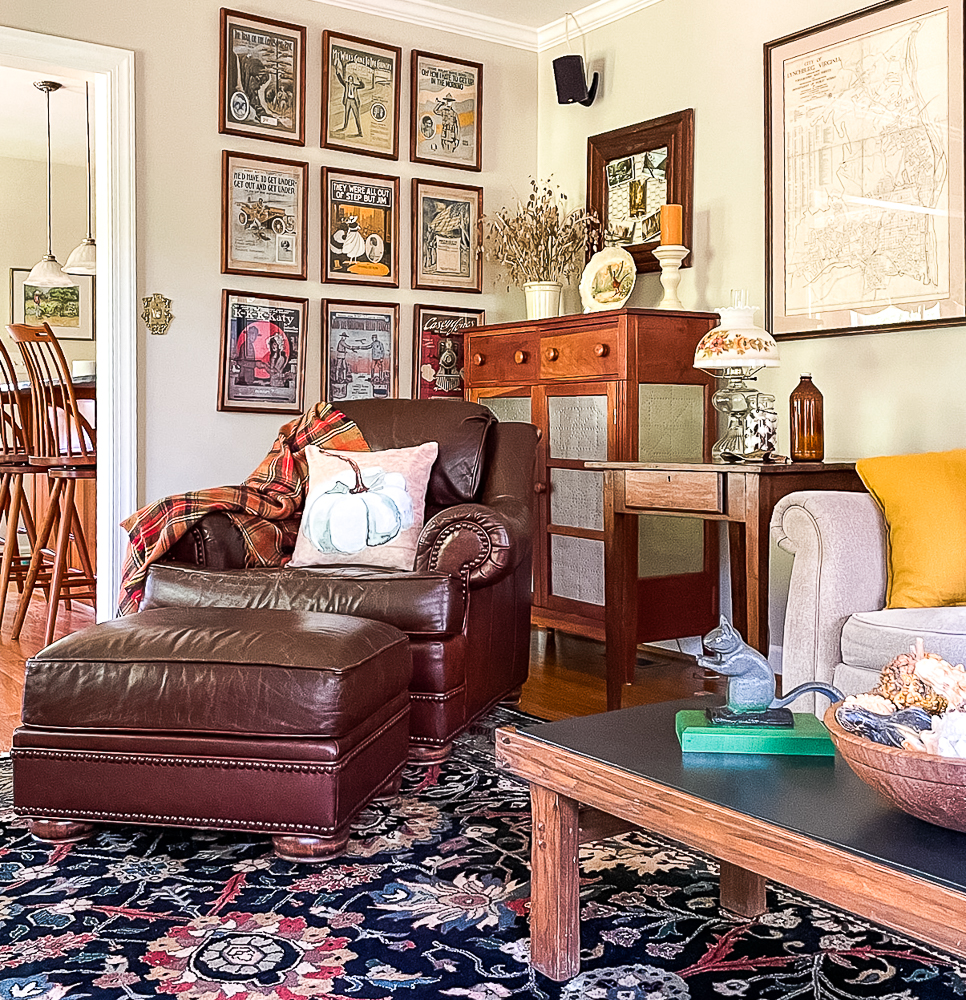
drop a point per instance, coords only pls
(511, 359)
(671, 490)
(581, 355)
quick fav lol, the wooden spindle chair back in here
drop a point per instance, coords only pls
(14, 414)
(62, 435)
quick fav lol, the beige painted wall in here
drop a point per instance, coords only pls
(884, 393)
(186, 443)
(23, 230)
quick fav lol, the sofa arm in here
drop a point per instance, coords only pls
(838, 541)
(484, 543)
(214, 542)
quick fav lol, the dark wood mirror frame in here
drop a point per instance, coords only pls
(676, 132)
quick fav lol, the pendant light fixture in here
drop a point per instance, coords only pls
(47, 273)
(83, 258)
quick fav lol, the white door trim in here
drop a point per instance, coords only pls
(117, 417)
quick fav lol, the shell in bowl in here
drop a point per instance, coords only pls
(925, 785)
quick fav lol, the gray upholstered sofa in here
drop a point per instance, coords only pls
(835, 627)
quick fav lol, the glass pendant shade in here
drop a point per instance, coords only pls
(47, 272)
(83, 258)
(737, 343)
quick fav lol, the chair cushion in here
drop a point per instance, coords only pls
(364, 509)
(870, 639)
(923, 500)
(418, 603)
(219, 671)
(459, 427)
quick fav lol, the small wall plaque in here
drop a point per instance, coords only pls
(157, 313)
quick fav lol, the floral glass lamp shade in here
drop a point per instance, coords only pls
(735, 351)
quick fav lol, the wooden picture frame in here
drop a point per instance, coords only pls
(631, 172)
(360, 350)
(264, 216)
(866, 235)
(438, 349)
(261, 368)
(446, 119)
(360, 228)
(447, 238)
(69, 311)
(261, 78)
(360, 90)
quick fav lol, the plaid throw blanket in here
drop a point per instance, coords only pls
(265, 507)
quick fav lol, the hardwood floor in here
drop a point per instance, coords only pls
(566, 672)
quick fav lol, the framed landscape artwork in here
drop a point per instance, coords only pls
(867, 234)
(360, 95)
(360, 228)
(632, 172)
(438, 350)
(264, 216)
(261, 78)
(69, 311)
(262, 363)
(360, 350)
(447, 249)
(446, 125)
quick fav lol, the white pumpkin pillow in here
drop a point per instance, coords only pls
(364, 508)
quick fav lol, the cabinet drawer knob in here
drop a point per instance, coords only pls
(479, 359)
(551, 354)
(539, 487)
(520, 357)
(601, 350)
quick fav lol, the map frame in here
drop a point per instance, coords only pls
(881, 245)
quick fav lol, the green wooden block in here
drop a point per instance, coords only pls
(808, 736)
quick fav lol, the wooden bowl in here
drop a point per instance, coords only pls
(925, 785)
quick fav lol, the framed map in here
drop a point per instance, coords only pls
(864, 180)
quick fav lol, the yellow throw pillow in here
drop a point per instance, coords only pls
(923, 499)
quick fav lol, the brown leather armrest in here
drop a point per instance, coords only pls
(214, 542)
(484, 543)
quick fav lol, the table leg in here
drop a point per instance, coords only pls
(620, 592)
(554, 905)
(742, 891)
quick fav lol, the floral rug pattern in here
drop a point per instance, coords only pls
(430, 900)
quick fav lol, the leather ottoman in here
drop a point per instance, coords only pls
(285, 722)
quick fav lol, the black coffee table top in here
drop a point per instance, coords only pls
(818, 797)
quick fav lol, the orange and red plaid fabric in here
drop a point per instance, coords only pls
(265, 508)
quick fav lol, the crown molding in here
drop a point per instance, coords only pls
(491, 29)
(438, 16)
(588, 18)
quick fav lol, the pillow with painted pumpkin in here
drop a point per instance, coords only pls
(364, 508)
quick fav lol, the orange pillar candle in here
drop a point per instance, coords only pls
(671, 224)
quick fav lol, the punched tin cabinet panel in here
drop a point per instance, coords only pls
(670, 423)
(577, 569)
(515, 409)
(576, 499)
(578, 427)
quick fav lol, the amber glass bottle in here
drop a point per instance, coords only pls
(807, 422)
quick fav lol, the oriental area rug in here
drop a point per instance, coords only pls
(430, 900)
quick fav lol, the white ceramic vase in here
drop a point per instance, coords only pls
(543, 299)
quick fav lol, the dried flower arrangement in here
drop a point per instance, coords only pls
(542, 240)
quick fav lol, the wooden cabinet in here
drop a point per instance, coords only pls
(609, 386)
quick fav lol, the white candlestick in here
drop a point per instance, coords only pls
(670, 257)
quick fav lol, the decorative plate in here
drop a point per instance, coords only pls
(608, 280)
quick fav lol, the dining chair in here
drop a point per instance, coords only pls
(15, 465)
(64, 443)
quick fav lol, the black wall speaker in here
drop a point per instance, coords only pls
(568, 75)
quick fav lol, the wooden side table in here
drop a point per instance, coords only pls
(742, 495)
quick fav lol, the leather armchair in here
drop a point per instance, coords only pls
(466, 603)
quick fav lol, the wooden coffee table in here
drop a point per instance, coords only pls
(806, 822)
